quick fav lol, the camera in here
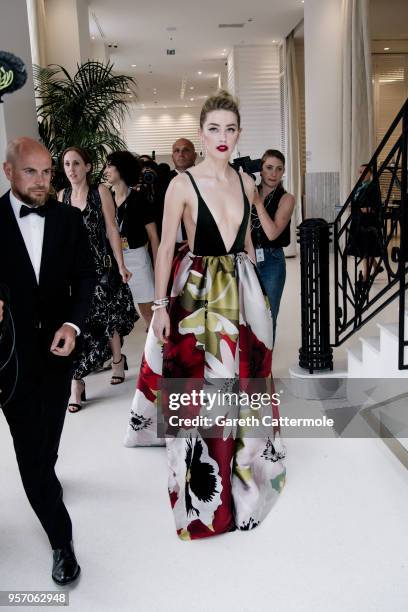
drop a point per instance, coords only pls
(250, 166)
(148, 176)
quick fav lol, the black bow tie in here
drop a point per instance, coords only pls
(27, 210)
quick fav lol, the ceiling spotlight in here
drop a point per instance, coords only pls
(185, 106)
(191, 99)
(191, 87)
(274, 41)
(93, 37)
(386, 48)
(133, 65)
(199, 72)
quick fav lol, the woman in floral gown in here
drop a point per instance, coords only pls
(215, 327)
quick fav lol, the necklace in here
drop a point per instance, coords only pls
(255, 222)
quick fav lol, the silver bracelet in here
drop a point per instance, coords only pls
(158, 306)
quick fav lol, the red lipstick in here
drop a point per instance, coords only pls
(222, 148)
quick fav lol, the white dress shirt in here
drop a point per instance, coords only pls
(32, 231)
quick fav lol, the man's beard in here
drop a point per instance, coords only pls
(30, 200)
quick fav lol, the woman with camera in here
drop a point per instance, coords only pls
(135, 215)
(112, 314)
(270, 228)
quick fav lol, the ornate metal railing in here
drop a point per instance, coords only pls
(361, 253)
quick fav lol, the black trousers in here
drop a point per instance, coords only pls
(36, 418)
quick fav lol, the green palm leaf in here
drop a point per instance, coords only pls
(86, 110)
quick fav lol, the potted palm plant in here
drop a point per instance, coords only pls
(86, 110)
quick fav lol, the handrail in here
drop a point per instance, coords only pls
(383, 243)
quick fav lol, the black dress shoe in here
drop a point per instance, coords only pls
(65, 568)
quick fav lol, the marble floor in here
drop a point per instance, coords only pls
(337, 540)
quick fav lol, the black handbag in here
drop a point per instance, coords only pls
(111, 278)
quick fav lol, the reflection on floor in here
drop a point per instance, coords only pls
(337, 540)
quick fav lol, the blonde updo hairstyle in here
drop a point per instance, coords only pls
(222, 100)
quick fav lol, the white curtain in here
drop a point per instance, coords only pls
(356, 106)
(293, 137)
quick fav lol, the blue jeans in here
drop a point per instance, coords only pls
(273, 275)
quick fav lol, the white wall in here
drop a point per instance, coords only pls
(156, 129)
(18, 111)
(253, 74)
(322, 19)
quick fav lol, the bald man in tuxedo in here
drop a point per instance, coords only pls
(47, 269)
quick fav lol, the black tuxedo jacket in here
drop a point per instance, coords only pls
(63, 293)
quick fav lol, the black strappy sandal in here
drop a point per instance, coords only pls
(77, 407)
(117, 379)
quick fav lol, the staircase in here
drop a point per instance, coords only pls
(377, 356)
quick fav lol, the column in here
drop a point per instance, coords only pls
(322, 26)
(67, 33)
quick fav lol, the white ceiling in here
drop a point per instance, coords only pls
(141, 31)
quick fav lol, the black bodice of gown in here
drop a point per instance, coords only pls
(208, 239)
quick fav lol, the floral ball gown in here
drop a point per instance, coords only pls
(221, 329)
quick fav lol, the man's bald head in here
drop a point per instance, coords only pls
(184, 154)
(22, 146)
(28, 168)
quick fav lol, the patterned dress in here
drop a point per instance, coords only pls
(220, 479)
(109, 312)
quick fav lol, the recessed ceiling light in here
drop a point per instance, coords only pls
(93, 37)
(386, 48)
(133, 65)
(191, 99)
(199, 72)
(185, 106)
(191, 87)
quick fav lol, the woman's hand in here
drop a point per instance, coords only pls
(125, 273)
(161, 324)
(257, 201)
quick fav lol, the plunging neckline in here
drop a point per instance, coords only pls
(211, 216)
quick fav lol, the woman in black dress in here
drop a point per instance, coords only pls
(136, 219)
(112, 314)
(365, 236)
